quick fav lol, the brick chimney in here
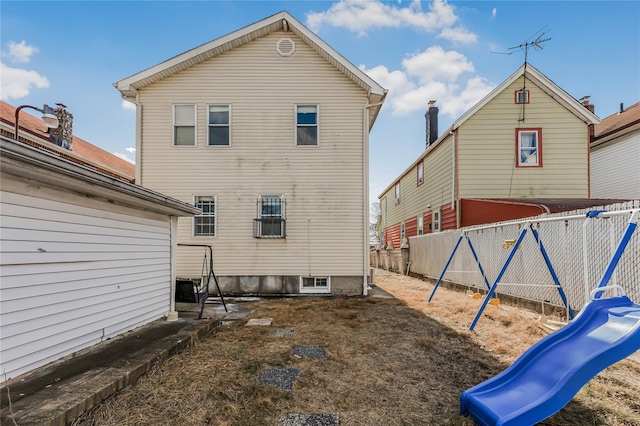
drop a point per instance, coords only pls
(63, 134)
(592, 108)
(431, 117)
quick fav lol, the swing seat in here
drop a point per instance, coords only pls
(473, 294)
(495, 301)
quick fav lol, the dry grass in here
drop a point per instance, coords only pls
(389, 362)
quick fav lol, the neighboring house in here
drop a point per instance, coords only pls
(85, 256)
(34, 132)
(523, 144)
(266, 129)
(615, 155)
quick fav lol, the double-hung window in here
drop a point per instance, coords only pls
(219, 125)
(204, 224)
(529, 147)
(306, 125)
(270, 222)
(420, 220)
(184, 125)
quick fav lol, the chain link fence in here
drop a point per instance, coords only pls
(578, 250)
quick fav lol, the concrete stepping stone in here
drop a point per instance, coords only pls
(316, 352)
(259, 322)
(283, 331)
(280, 378)
(314, 419)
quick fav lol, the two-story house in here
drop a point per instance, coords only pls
(266, 130)
(615, 155)
(522, 146)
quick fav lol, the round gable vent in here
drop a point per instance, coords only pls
(285, 47)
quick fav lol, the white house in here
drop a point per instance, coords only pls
(266, 129)
(615, 155)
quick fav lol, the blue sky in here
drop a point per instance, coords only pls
(72, 52)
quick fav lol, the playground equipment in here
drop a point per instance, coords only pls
(547, 376)
(201, 292)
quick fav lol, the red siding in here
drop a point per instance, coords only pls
(447, 217)
(411, 227)
(477, 212)
(392, 234)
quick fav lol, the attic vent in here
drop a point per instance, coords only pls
(285, 47)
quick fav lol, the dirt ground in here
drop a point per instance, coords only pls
(389, 361)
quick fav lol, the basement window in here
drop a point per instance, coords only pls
(315, 285)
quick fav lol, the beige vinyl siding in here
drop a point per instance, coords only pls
(323, 185)
(436, 189)
(487, 149)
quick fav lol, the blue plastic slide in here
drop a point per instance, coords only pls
(548, 375)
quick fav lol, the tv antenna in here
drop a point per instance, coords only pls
(535, 41)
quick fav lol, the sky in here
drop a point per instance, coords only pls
(454, 52)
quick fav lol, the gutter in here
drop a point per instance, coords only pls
(365, 181)
(16, 155)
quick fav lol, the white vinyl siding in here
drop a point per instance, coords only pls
(73, 276)
(263, 159)
(614, 168)
(487, 155)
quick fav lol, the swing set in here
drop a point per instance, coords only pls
(532, 227)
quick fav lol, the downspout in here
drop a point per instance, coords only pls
(365, 181)
(173, 247)
(138, 139)
(454, 172)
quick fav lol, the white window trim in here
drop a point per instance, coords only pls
(420, 173)
(195, 125)
(420, 224)
(316, 290)
(295, 125)
(538, 147)
(215, 217)
(436, 221)
(209, 125)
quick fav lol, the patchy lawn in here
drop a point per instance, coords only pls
(397, 361)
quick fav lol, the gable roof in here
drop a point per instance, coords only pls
(83, 152)
(533, 75)
(281, 21)
(617, 124)
(545, 84)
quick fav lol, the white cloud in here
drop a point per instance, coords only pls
(130, 106)
(434, 74)
(458, 35)
(362, 16)
(17, 82)
(494, 12)
(130, 150)
(437, 64)
(20, 52)
(125, 156)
